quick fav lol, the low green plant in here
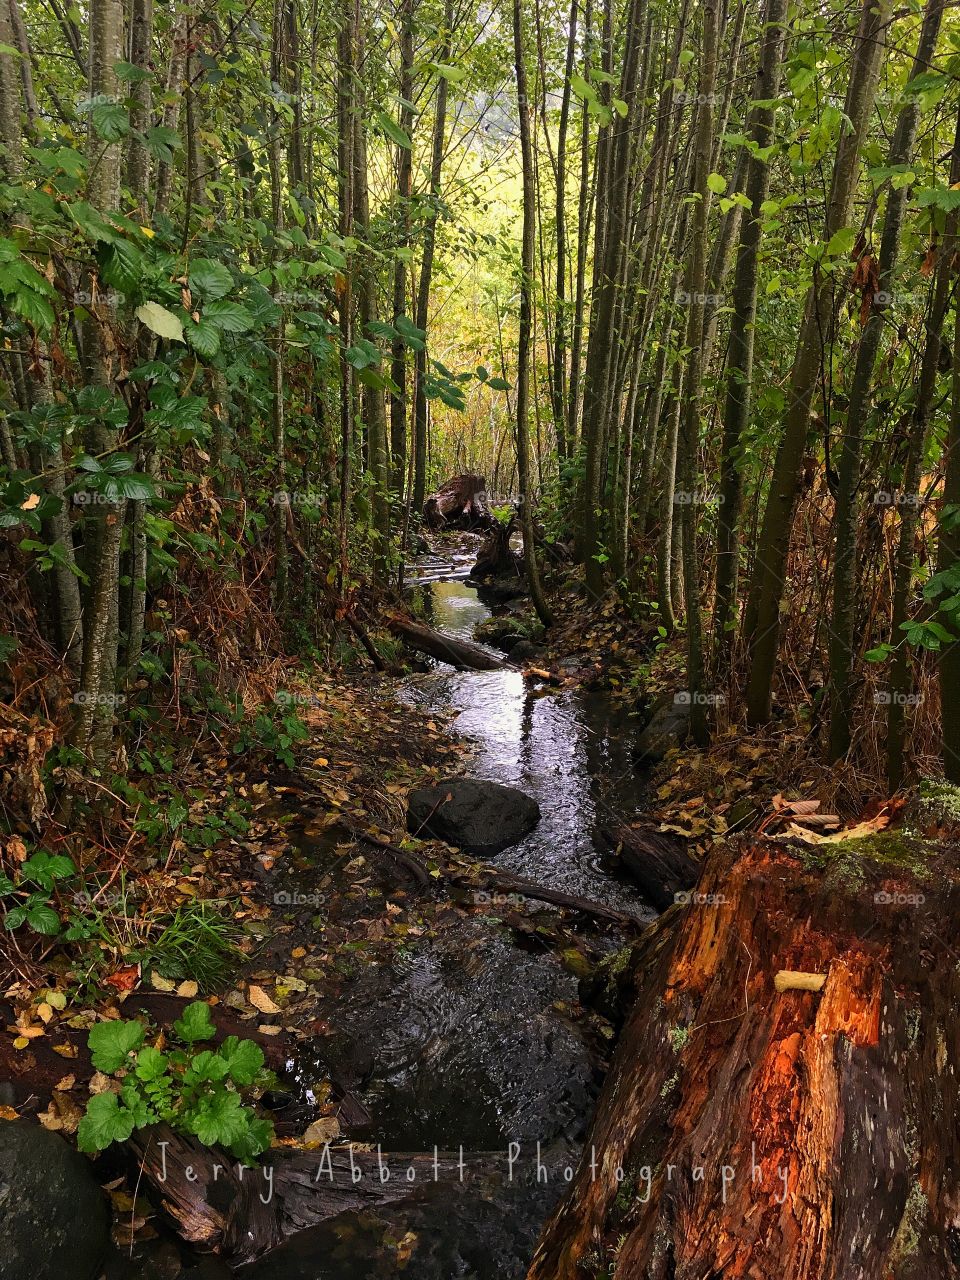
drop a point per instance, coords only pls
(196, 1090)
(276, 734)
(34, 892)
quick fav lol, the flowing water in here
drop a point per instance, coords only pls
(467, 1040)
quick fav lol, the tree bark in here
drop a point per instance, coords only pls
(753, 1125)
(774, 541)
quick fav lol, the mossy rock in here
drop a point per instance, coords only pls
(495, 630)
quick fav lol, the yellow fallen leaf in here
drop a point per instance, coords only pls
(323, 1130)
(321, 762)
(65, 1050)
(266, 1030)
(66, 1084)
(159, 983)
(44, 1012)
(260, 1000)
(33, 500)
(56, 1000)
(21, 1042)
(188, 990)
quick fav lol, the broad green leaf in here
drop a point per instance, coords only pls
(210, 279)
(160, 321)
(105, 1122)
(203, 337)
(230, 317)
(393, 131)
(243, 1059)
(110, 1043)
(195, 1023)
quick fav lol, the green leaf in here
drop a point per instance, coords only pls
(105, 1122)
(151, 1063)
(43, 919)
(453, 74)
(110, 1043)
(243, 1059)
(221, 1119)
(110, 121)
(230, 317)
(160, 321)
(841, 242)
(195, 1023)
(210, 279)
(393, 131)
(208, 1066)
(498, 384)
(717, 183)
(203, 337)
(122, 266)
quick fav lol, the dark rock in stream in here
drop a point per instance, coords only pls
(666, 729)
(478, 816)
(524, 651)
(54, 1221)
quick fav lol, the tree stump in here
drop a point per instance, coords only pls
(792, 1134)
(459, 503)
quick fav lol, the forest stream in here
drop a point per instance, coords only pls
(469, 1039)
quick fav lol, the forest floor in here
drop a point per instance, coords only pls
(339, 804)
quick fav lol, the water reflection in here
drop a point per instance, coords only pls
(571, 750)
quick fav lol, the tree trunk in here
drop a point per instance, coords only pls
(845, 593)
(778, 1101)
(426, 274)
(740, 346)
(525, 327)
(688, 468)
(774, 541)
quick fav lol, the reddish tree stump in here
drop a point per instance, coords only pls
(783, 1135)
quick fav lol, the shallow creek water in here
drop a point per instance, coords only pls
(465, 1040)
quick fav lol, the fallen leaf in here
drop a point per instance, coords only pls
(159, 983)
(260, 1000)
(323, 1130)
(187, 990)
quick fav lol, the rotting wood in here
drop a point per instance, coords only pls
(743, 1134)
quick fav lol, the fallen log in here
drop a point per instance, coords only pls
(436, 644)
(459, 503)
(744, 1131)
(659, 861)
(243, 1212)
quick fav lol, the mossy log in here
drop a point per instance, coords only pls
(792, 1135)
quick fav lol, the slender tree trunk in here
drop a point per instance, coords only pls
(398, 360)
(845, 594)
(426, 274)
(93, 726)
(948, 558)
(528, 253)
(736, 414)
(774, 542)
